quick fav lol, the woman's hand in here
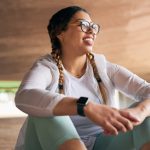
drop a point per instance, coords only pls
(139, 112)
(109, 118)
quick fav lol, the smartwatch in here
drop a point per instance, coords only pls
(81, 102)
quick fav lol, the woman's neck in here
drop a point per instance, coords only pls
(75, 65)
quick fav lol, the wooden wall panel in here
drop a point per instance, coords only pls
(124, 38)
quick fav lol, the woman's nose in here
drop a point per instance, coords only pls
(90, 30)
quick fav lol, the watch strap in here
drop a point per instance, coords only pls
(81, 103)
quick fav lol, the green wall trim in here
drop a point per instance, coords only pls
(9, 86)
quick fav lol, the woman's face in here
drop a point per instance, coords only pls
(74, 40)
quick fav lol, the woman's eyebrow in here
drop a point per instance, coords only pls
(80, 19)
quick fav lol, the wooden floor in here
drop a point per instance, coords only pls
(9, 129)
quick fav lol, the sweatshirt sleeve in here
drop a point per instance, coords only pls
(33, 96)
(128, 82)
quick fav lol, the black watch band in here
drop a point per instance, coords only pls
(81, 102)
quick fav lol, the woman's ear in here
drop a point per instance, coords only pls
(60, 36)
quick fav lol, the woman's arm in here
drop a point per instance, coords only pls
(128, 83)
(133, 86)
(110, 119)
(140, 111)
(33, 97)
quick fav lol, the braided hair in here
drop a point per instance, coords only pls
(57, 24)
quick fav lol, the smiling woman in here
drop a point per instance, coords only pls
(69, 94)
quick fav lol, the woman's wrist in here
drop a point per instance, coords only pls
(89, 107)
(144, 107)
(67, 106)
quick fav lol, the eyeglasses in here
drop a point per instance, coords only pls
(88, 27)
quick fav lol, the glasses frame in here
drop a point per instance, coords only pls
(90, 26)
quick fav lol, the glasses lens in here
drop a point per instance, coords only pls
(85, 26)
(95, 28)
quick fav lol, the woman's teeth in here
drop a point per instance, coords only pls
(88, 39)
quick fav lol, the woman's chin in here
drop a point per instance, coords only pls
(89, 49)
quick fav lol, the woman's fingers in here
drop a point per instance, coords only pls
(110, 129)
(119, 122)
(127, 114)
(127, 124)
(119, 126)
(115, 125)
(112, 120)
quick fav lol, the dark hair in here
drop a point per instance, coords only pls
(59, 22)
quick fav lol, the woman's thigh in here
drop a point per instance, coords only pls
(132, 140)
(51, 132)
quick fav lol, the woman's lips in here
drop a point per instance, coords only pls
(88, 41)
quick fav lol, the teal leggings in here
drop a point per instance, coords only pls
(50, 133)
(132, 140)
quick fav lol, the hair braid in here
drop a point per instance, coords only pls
(90, 56)
(56, 56)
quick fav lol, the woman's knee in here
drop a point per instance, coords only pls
(141, 133)
(73, 144)
(54, 131)
(144, 127)
(147, 122)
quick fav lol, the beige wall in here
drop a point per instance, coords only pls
(124, 39)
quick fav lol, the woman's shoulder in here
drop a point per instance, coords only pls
(99, 58)
(98, 55)
(45, 60)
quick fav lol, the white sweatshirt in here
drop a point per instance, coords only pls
(38, 94)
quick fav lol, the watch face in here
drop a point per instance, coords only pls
(82, 100)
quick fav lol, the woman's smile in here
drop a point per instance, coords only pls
(88, 40)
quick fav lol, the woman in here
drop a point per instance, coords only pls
(69, 94)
